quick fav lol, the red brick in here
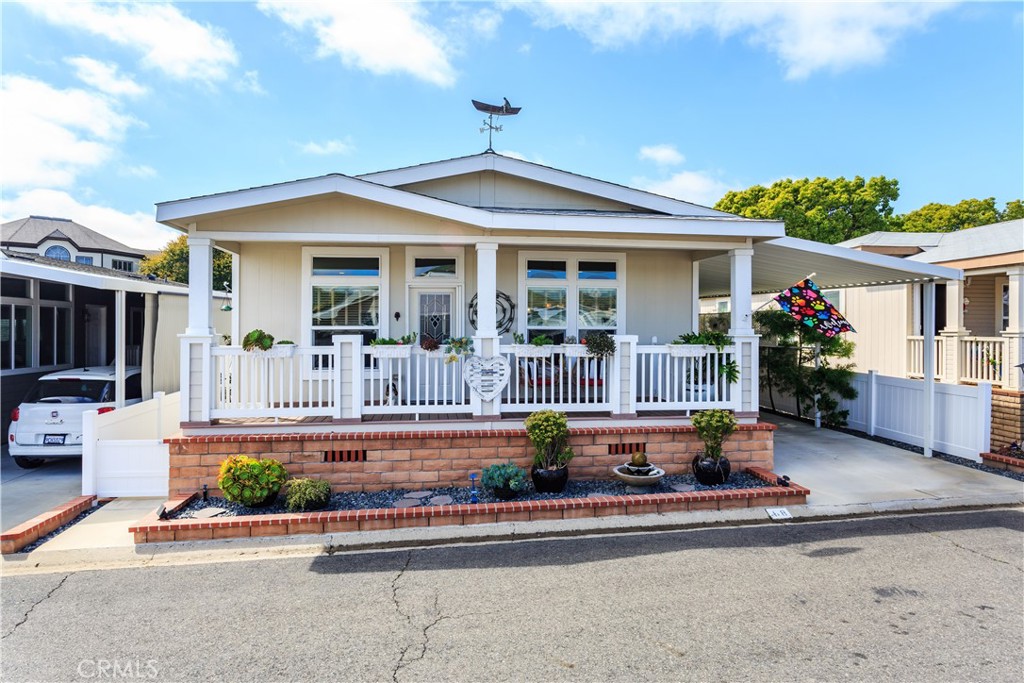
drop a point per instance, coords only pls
(193, 534)
(704, 505)
(610, 511)
(341, 526)
(513, 516)
(448, 520)
(480, 519)
(577, 513)
(231, 532)
(305, 528)
(412, 522)
(536, 515)
(734, 503)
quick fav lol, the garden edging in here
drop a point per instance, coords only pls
(151, 529)
(1003, 462)
(16, 538)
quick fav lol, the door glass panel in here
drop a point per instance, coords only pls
(435, 311)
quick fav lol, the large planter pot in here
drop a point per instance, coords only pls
(504, 493)
(710, 472)
(549, 481)
(391, 351)
(267, 502)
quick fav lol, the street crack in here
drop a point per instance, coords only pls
(36, 604)
(963, 547)
(394, 588)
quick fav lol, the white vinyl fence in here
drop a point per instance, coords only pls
(123, 453)
(893, 408)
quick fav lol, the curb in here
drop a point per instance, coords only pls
(16, 538)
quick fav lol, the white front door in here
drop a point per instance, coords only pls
(434, 313)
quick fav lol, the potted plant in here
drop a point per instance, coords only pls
(250, 481)
(600, 344)
(573, 349)
(262, 343)
(456, 347)
(549, 433)
(713, 427)
(431, 347)
(697, 344)
(538, 347)
(507, 480)
(386, 347)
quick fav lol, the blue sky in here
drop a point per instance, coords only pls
(108, 109)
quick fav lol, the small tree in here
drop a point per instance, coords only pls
(171, 263)
(787, 365)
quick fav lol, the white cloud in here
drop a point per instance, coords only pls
(806, 36)
(140, 171)
(522, 157)
(663, 155)
(49, 136)
(379, 37)
(525, 49)
(104, 77)
(168, 41)
(330, 147)
(136, 229)
(696, 187)
(250, 82)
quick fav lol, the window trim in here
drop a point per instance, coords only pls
(308, 280)
(572, 283)
(456, 284)
(35, 304)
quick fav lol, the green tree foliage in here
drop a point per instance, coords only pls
(824, 209)
(950, 217)
(171, 263)
(787, 366)
(1013, 211)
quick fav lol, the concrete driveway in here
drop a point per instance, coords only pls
(27, 493)
(845, 470)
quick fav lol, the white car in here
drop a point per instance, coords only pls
(48, 423)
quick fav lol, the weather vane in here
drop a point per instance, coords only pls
(493, 110)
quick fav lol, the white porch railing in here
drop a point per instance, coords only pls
(421, 383)
(559, 382)
(668, 382)
(982, 359)
(915, 357)
(255, 384)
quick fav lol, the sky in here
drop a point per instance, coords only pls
(107, 109)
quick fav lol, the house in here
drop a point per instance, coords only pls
(979, 321)
(62, 239)
(481, 246)
(57, 314)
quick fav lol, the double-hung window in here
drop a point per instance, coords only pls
(346, 293)
(571, 294)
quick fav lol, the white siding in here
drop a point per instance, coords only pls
(881, 316)
(979, 317)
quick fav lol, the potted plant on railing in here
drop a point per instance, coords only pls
(457, 347)
(261, 343)
(710, 467)
(549, 433)
(506, 480)
(539, 347)
(573, 349)
(698, 344)
(599, 344)
(386, 347)
(431, 347)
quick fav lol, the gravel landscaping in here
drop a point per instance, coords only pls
(460, 495)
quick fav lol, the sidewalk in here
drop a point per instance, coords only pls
(847, 476)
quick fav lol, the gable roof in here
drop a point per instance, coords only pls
(34, 230)
(937, 247)
(498, 163)
(70, 272)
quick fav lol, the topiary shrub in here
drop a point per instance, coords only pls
(308, 494)
(600, 344)
(549, 433)
(250, 481)
(714, 427)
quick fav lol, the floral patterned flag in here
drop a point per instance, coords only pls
(804, 302)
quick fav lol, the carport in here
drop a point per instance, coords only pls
(780, 263)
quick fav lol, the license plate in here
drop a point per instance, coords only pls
(54, 439)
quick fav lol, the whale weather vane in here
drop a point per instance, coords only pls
(493, 110)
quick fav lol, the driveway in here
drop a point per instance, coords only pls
(27, 493)
(841, 469)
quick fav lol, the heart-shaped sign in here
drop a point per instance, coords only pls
(487, 376)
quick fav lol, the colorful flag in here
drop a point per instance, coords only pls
(804, 302)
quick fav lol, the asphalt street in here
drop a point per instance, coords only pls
(936, 597)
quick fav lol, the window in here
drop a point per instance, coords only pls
(722, 307)
(346, 294)
(53, 291)
(35, 324)
(14, 287)
(15, 337)
(121, 264)
(1006, 308)
(571, 295)
(57, 252)
(435, 268)
(84, 260)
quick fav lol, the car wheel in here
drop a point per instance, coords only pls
(27, 463)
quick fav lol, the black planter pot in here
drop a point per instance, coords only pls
(549, 481)
(266, 502)
(504, 493)
(711, 472)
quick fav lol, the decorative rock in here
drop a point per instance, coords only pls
(419, 494)
(638, 489)
(441, 500)
(683, 488)
(209, 512)
(599, 495)
(408, 503)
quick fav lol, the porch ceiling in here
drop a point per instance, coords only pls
(779, 263)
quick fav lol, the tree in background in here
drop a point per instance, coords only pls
(171, 263)
(824, 209)
(969, 213)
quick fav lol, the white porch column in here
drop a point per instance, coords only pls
(928, 363)
(953, 331)
(149, 320)
(236, 331)
(486, 342)
(742, 331)
(196, 374)
(120, 338)
(200, 285)
(1014, 332)
(695, 297)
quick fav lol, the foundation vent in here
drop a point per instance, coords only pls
(626, 448)
(345, 456)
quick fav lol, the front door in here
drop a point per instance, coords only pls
(435, 314)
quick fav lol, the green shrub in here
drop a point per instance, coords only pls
(505, 475)
(714, 427)
(549, 433)
(308, 494)
(257, 340)
(599, 344)
(250, 481)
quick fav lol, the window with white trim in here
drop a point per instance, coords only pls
(58, 252)
(345, 293)
(35, 324)
(1005, 318)
(571, 294)
(121, 264)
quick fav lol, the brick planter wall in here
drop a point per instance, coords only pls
(1007, 417)
(431, 459)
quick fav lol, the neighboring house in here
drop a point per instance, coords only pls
(979, 321)
(57, 314)
(482, 246)
(62, 239)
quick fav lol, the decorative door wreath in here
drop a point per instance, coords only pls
(506, 312)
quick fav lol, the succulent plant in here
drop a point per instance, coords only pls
(639, 459)
(250, 481)
(506, 475)
(308, 494)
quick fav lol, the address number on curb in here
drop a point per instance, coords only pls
(778, 514)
